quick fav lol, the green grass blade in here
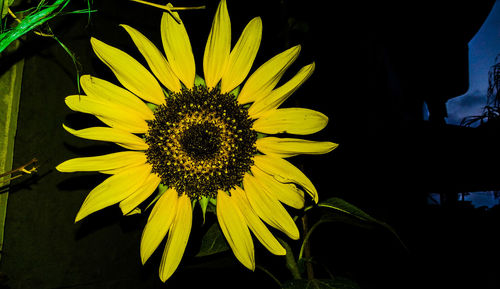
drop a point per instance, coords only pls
(43, 13)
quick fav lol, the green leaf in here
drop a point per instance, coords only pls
(5, 6)
(213, 242)
(212, 205)
(10, 90)
(203, 204)
(151, 106)
(347, 208)
(340, 217)
(337, 283)
(198, 80)
(235, 92)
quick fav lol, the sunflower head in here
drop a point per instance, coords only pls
(202, 139)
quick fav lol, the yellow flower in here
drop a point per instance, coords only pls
(205, 140)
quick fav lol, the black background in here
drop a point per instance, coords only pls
(375, 66)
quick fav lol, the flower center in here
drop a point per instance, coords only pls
(200, 142)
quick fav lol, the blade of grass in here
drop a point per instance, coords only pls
(42, 14)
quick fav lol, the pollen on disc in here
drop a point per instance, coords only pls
(200, 141)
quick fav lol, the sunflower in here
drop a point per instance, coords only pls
(204, 140)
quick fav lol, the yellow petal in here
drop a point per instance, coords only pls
(286, 193)
(285, 172)
(133, 212)
(254, 222)
(268, 207)
(265, 78)
(101, 163)
(114, 95)
(178, 49)
(235, 229)
(120, 137)
(140, 195)
(113, 190)
(279, 95)
(217, 47)
(177, 238)
(293, 120)
(289, 147)
(129, 72)
(113, 171)
(111, 114)
(159, 223)
(155, 59)
(242, 56)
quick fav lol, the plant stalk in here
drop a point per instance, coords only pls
(307, 250)
(291, 264)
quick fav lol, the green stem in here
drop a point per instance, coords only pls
(291, 264)
(306, 239)
(307, 250)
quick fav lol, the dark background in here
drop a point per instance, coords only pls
(376, 64)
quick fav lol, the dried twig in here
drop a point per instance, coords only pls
(169, 8)
(20, 171)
